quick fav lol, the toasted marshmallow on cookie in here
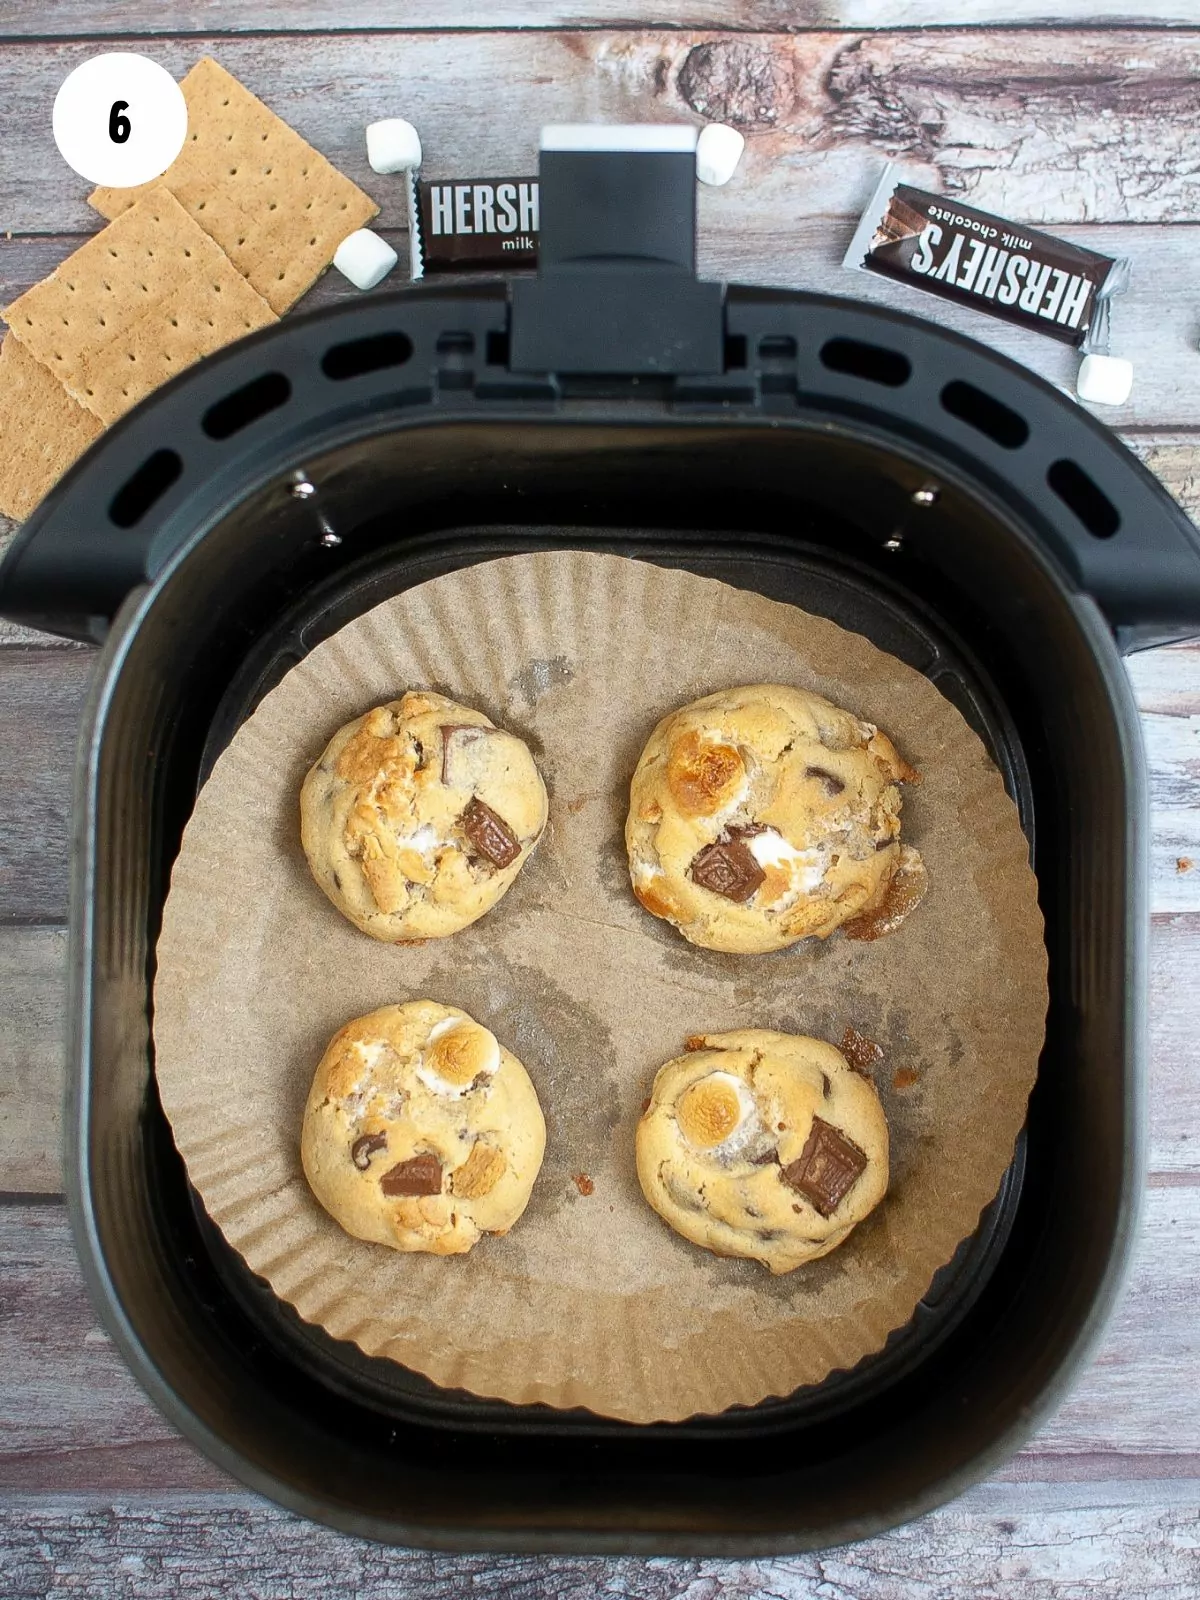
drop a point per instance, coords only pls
(457, 1054)
(718, 1115)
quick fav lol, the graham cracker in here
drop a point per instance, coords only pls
(43, 429)
(139, 302)
(275, 205)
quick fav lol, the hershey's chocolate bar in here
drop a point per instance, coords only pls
(1019, 274)
(473, 224)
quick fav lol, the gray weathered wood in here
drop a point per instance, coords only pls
(83, 18)
(32, 984)
(1176, 463)
(1037, 125)
(1167, 684)
(72, 1418)
(1000, 1542)
(41, 695)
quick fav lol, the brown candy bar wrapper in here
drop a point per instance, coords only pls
(591, 1299)
(1010, 271)
(473, 224)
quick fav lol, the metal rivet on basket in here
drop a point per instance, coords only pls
(926, 495)
(894, 543)
(303, 490)
(328, 538)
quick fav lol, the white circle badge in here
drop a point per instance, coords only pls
(120, 119)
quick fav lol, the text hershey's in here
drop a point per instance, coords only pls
(1003, 271)
(508, 209)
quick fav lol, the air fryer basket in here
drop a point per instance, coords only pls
(862, 464)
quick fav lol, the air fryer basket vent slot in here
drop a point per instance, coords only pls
(357, 357)
(735, 351)
(777, 347)
(137, 494)
(984, 412)
(245, 405)
(873, 362)
(1089, 502)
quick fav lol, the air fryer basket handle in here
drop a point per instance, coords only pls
(615, 317)
(616, 290)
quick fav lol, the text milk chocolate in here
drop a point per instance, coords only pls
(1020, 274)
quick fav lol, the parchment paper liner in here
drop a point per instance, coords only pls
(591, 1300)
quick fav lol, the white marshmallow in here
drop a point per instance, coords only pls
(364, 258)
(370, 1054)
(718, 151)
(770, 849)
(807, 867)
(393, 145)
(747, 1121)
(424, 841)
(1104, 380)
(432, 1079)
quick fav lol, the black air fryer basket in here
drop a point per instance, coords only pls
(905, 482)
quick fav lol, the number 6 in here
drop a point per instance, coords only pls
(118, 126)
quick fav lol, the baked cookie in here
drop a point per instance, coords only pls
(763, 815)
(421, 1132)
(418, 817)
(762, 1144)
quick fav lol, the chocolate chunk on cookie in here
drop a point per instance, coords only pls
(727, 868)
(365, 1147)
(827, 1168)
(490, 834)
(418, 1175)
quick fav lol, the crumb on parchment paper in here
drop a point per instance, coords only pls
(861, 1053)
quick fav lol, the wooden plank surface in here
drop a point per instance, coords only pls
(33, 968)
(1125, 1541)
(150, 18)
(40, 703)
(1040, 125)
